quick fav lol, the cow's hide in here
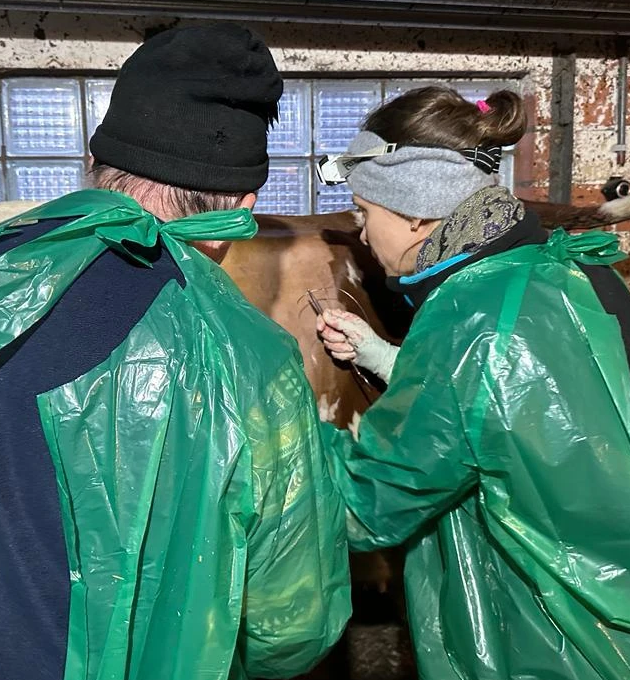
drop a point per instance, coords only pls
(323, 254)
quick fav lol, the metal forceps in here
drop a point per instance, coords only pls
(317, 307)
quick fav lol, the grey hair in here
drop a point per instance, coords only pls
(173, 200)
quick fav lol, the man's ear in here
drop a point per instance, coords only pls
(249, 201)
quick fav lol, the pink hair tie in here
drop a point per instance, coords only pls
(483, 106)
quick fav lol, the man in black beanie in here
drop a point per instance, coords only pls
(191, 109)
(150, 415)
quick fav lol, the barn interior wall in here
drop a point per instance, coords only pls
(45, 41)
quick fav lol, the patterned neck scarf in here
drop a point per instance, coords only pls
(482, 218)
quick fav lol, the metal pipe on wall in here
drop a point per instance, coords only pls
(622, 102)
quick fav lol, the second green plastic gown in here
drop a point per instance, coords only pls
(500, 452)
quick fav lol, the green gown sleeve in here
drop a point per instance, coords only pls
(412, 460)
(297, 597)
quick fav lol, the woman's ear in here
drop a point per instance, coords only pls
(423, 227)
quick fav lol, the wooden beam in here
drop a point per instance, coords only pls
(561, 134)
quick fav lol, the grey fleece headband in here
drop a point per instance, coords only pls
(416, 181)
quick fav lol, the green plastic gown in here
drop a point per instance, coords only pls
(205, 538)
(500, 454)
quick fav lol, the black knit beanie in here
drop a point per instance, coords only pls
(191, 108)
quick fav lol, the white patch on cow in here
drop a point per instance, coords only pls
(617, 209)
(353, 425)
(352, 274)
(327, 412)
(359, 218)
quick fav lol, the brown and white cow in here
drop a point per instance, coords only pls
(323, 254)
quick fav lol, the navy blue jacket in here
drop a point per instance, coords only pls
(93, 317)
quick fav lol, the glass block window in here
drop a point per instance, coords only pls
(339, 110)
(291, 136)
(97, 96)
(287, 190)
(46, 123)
(42, 117)
(43, 180)
(332, 199)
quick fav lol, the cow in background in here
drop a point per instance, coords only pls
(322, 253)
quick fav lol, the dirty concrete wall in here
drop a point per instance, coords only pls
(97, 42)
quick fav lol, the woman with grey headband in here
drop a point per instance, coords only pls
(500, 452)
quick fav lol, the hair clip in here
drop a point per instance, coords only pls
(483, 106)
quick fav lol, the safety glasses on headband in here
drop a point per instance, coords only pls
(335, 169)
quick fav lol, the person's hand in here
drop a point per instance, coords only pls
(348, 338)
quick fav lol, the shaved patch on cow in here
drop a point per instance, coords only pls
(352, 274)
(353, 425)
(327, 411)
